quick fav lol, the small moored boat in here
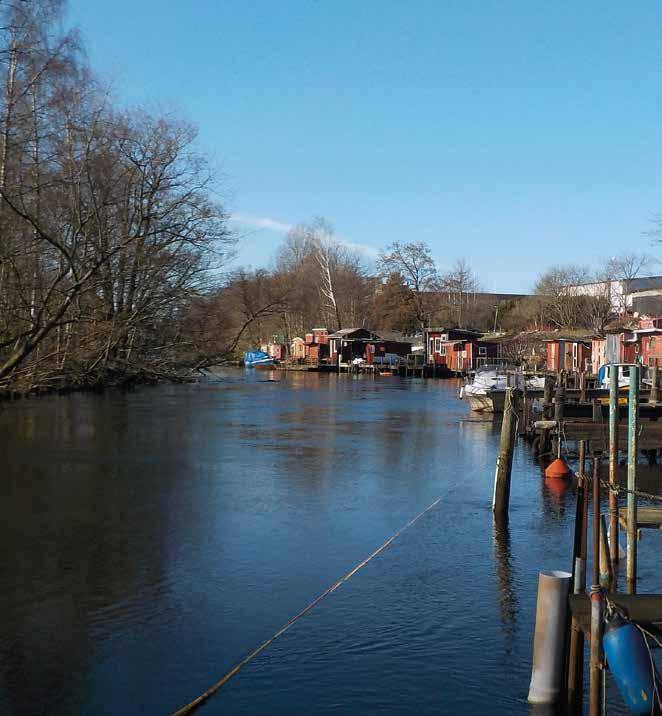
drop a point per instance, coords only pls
(486, 392)
(258, 359)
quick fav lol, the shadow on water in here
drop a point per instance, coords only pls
(508, 605)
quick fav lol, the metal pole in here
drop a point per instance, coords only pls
(584, 543)
(613, 468)
(596, 520)
(559, 409)
(595, 677)
(606, 568)
(576, 647)
(633, 438)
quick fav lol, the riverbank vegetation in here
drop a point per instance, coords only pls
(108, 228)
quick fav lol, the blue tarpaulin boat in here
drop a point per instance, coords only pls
(258, 359)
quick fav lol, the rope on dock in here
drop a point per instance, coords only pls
(618, 490)
(235, 669)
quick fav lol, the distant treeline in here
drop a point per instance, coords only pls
(318, 281)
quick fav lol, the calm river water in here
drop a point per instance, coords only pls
(152, 539)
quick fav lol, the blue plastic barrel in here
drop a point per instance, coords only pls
(630, 664)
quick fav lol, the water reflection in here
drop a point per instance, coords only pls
(555, 493)
(154, 538)
(508, 606)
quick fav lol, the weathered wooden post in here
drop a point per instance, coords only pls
(613, 468)
(559, 403)
(597, 602)
(633, 440)
(505, 458)
(597, 411)
(547, 397)
(653, 397)
(582, 387)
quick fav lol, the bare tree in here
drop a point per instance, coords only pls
(562, 288)
(458, 283)
(624, 269)
(327, 278)
(324, 250)
(414, 263)
(107, 226)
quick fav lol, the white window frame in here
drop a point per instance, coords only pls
(437, 345)
(482, 350)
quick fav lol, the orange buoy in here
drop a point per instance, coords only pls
(558, 469)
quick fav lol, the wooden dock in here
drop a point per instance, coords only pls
(602, 426)
(645, 609)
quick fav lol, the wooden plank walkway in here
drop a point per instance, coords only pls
(647, 518)
(650, 437)
(645, 609)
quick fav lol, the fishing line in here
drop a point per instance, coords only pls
(235, 669)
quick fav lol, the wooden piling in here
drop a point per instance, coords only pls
(633, 438)
(582, 387)
(653, 396)
(504, 463)
(597, 411)
(547, 397)
(559, 403)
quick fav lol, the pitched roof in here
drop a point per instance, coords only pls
(344, 332)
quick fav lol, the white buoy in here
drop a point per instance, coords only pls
(549, 639)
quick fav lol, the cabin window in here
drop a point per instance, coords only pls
(437, 345)
(482, 350)
(442, 349)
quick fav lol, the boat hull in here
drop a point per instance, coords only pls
(480, 403)
(261, 365)
(258, 359)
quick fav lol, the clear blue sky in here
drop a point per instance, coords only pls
(509, 133)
